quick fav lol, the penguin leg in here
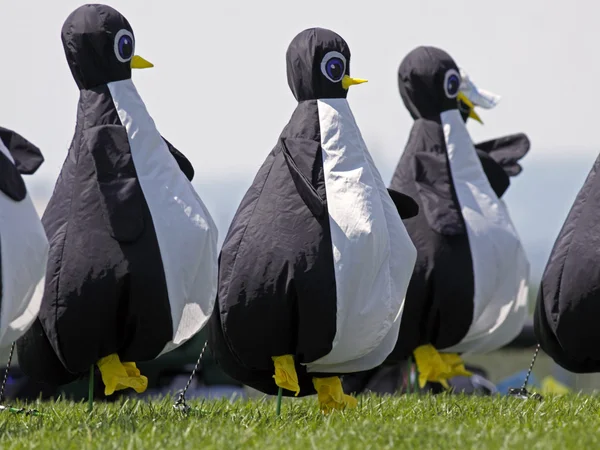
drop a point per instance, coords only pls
(285, 373)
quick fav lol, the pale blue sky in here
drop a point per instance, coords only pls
(219, 91)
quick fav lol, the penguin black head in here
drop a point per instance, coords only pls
(429, 82)
(99, 45)
(318, 65)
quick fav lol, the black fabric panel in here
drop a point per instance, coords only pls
(11, 182)
(101, 296)
(309, 195)
(406, 206)
(507, 151)
(121, 196)
(438, 309)
(277, 292)
(496, 175)
(28, 158)
(433, 179)
(44, 364)
(569, 297)
(184, 164)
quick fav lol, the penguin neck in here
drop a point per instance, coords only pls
(338, 125)
(464, 162)
(129, 105)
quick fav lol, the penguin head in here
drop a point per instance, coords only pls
(99, 45)
(318, 65)
(429, 82)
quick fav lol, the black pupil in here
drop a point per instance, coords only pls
(453, 85)
(125, 47)
(335, 69)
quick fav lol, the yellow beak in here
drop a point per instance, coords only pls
(472, 114)
(137, 62)
(349, 81)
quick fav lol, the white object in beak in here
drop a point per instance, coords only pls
(478, 97)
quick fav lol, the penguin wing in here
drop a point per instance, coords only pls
(121, 197)
(306, 190)
(434, 182)
(28, 158)
(184, 164)
(506, 151)
(496, 175)
(407, 207)
(11, 182)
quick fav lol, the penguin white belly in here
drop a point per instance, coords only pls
(500, 267)
(373, 255)
(24, 252)
(186, 233)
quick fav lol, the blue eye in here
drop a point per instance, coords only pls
(124, 45)
(333, 66)
(451, 83)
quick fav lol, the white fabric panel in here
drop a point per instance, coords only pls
(373, 255)
(24, 252)
(501, 269)
(186, 233)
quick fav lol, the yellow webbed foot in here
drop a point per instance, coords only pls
(117, 375)
(285, 373)
(331, 394)
(438, 367)
(456, 364)
(551, 386)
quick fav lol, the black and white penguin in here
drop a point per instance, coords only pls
(468, 293)
(132, 270)
(315, 266)
(569, 294)
(23, 242)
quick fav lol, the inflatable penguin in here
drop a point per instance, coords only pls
(23, 243)
(468, 292)
(315, 266)
(569, 293)
(132, 270)
(499, 159)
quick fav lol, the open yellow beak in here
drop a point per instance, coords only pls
(472, 114)
(349, 81)
(137, 62)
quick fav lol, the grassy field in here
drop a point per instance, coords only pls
(430, 422)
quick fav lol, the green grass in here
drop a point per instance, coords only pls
(423, 422)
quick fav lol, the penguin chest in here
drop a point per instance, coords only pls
(373, 256)
(24, 254)
(500, 267)
(185, 231)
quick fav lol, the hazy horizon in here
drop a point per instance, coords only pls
(219, 91)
